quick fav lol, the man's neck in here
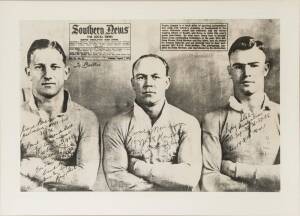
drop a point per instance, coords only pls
(52, 106)
(153, 111)
(251, 102)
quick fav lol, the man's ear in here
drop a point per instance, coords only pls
(67, 72)
(267, 68)
(132, 82)
(168, 82)
(229, 69)
(27, 72)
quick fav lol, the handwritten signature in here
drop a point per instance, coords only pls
(87, 64)
(159, 143)
(240, 134)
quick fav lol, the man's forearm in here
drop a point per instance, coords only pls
(82, 175)
(177, 176)
(262, 177)
(265, 177)
(218, 182)
(124, 181)
(55, 171)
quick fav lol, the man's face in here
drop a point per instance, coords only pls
(47, 72)
(150, 81)
(247, 70)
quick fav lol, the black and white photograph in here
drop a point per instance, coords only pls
(150, 108)
(196, 108)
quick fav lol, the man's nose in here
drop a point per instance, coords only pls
(48, 72)
(247, 70)
(149, 81)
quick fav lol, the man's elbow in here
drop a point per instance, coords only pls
(268, 185)
(87, 178)
(111, 181)
(208, 183)
(187, 180)
(115, 183)
(193, 180)
(268, 180)
(86, 182)
(111, 177)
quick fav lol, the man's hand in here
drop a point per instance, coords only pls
(27, 184)
(29, 166)
(228, 168)
(46, 173)
(138, 167)
(41, 170)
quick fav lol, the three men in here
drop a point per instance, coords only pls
(59, 138)
(241, 141)
(153, 146)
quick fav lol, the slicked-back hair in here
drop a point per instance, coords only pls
(43, 44)
(136, 63)
(244, 43)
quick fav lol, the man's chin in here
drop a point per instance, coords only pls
(48, 94)
(147, 103)
(248, 92)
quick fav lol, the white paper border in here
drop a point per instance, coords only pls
(14, 202)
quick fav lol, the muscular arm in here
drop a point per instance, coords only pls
(115, 163)
(186, 173)
(83, 174)
(212, 178)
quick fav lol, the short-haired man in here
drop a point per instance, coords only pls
(241, 141)
(59, 138)
(153, 146)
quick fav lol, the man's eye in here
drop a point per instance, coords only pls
(254, 65)
(38, 67)
(238, 67)
(155, 77)
(140, 78)
(54, 67)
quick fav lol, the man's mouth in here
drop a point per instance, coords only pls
(149, 92)
(246, 82)
(48, 84)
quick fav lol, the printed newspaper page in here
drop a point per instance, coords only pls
(159, 104)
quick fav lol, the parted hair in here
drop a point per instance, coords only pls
(244, 43)
(43, 44)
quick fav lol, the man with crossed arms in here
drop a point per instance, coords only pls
(241, 141)
(59, 138)
(153, 146)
